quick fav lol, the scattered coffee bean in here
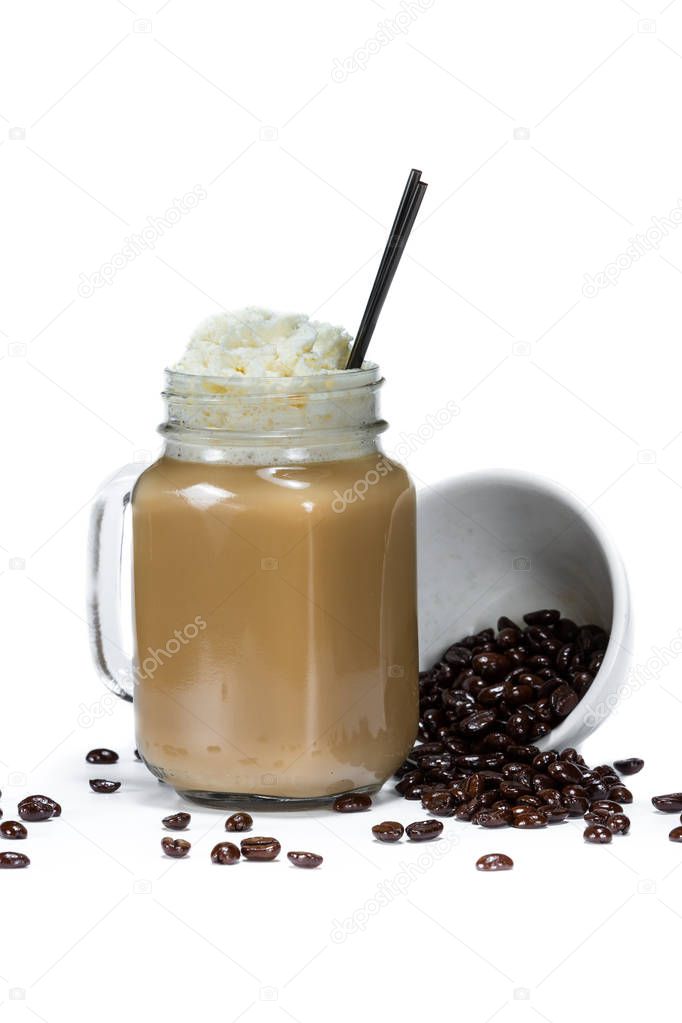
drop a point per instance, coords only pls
(177, 821)
(423, 831)
(103, 785)
(354, 802)
(598, 834)
(671, 803)
(633, 765)
(676, 835)
(388, 831)
(239, 822)
(102, 756)
(13, 829)
(13, 860)
(225, 852)
(260, 848)
(38, 808)
(175, 847)
(307, 860)
(619, 824)
(494, 861)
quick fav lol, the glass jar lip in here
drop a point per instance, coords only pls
(180, 384)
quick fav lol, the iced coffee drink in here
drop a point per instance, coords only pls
(274, 573)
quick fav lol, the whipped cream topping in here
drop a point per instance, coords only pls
(256, 342)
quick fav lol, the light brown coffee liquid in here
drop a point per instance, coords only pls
(275, 625)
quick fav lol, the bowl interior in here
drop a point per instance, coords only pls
(503, 543)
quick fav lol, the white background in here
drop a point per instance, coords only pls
(111, 110)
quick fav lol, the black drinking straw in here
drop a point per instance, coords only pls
(397, 239)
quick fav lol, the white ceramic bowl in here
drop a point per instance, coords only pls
(506, 542)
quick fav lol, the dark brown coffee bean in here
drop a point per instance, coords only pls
(597, 817)
(13, 860)
(225, 853)
(620, 794)
(542, 617)
(633, 765)
(442, 804)
(175, 847)
(676, 835)
(609, 805)
(555, 814)
(490, 666)
(671, 803)
(388, 831)
(494, 862)
(563, 700)
(102, 756)
(306, 860)
(423, 831)
(240, 822)
(13, 829)
(38, 808)
(354, 802)
(261, 848)
(619, 824)
(598, 834)
(530, 819)
(103, 785)
(577, 806)
(474, 724)
(177, 821)
(565, 773)
(491, 819)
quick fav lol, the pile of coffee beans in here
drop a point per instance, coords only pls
(510, 685)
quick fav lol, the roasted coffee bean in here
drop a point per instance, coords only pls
(175, 847)
(620, 794)
(13, 860)
(564, 772)
(549, 797)
(307, 860)
(671, 803)
(494, 862)
(522, 754)
(407, 781)
(262, 848)
(388, 831)
(533, 801)
(423, 831)
(564, 700)
(442, 804)
(530, 819)
(13, 829)
(597, 817)
(103, 785)
(474, 724)
(543, 617)
(354, 802)
(555, 814)
(542, 761)
(619, 824)
(676, 835)
(577, 806)
(225, 853)
(102, 756)
(606, 804)
(491, 666)
(240, 822)
(491, 819)
(633, 765)
(598, 834)
(38, 808)
(177, 821)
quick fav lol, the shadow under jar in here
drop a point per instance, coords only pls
(274, 592)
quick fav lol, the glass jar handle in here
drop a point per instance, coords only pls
(105, 557)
